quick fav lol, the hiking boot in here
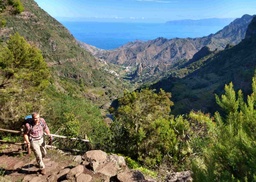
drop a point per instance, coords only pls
(43, 171)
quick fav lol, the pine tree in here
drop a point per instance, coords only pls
(23, 76)
(231, 153)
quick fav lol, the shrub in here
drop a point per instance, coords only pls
(230, 154)
(3, 23)
(17, 5)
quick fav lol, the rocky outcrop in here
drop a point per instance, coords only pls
(98, 165)
(138, 71)
(200, 54)
(94, 165)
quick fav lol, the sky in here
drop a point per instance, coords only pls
(146, 10)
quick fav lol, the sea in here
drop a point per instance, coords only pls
(111, 35)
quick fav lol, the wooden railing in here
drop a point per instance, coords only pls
(57, 136)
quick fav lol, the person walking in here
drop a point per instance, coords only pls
(34, 138)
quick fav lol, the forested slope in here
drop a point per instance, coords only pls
(74, 70)
(73, 83)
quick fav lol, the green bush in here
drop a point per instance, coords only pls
(3, 23)
(144, 130)
(132, 164)
(230, 153)
(17, 5)
(76, 117)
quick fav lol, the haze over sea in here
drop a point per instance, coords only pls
(111, 35)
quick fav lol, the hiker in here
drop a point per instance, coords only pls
(33, 136)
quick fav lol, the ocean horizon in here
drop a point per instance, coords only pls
(111, 35)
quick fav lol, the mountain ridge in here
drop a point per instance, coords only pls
(163, 54)
(197, 90)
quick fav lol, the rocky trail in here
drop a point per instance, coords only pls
(16, 165)
(92, 166)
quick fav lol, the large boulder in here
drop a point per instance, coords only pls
(95, 158)
(112, 166)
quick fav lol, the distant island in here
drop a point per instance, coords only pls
(202, 22)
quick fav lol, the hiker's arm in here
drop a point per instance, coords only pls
(49, 134)
(46, 129)
(26, 137)
(27, 143)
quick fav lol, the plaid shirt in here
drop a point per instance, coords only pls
(36, 132)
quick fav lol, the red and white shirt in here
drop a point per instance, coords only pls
(36, 132)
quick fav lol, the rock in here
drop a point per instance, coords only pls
(37, 179)
(84, 178)
(78, 159)
(109, 169)
(130, 176)
(100, 177)
(86, 163)
(63, 173)
(104, 168)
(95, 158)
(27, 178)
(52, 177)
(120, 160)
(74, 172)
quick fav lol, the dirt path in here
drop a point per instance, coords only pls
(16, 165)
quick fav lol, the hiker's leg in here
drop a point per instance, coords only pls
(36, 148)
(43, 149)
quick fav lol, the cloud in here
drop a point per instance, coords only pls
(136, 18)
(118, 17)
(156, 1)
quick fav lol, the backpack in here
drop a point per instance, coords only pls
(28, 119)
